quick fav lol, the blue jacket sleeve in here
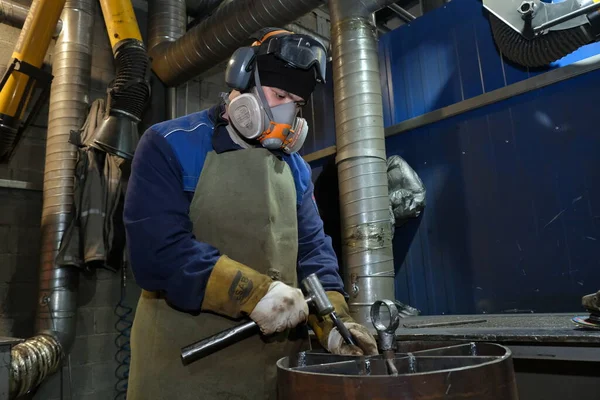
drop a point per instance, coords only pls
(315, 252)
(164, 254)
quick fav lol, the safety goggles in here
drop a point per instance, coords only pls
(299, 51)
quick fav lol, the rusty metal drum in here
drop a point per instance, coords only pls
(477, 371)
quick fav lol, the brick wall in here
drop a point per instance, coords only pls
(92, 357)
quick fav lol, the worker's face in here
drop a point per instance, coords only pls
(276, 97)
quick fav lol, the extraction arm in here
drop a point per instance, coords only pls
(535, 33)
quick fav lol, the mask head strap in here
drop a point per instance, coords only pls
(261, 94)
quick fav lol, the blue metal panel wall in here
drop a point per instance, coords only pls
(513, 200)
(512, 203)
(513, 206)
(445, 57)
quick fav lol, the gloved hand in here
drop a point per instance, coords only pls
(365, 341)
(330, 338)
(283, 307)
(234, 290)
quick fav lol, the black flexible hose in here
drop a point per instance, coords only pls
(542, 50)
(130, 90)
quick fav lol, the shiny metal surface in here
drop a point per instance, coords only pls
(213, 40)
(31, 362)
(68, 108)
(167, 21)
(545, 17)
(361, 157)
(386, 331)
(402, 13)
(477, 371)
(315, 297)
(171, 103)
(40, 356)
(15, 14)
(219, 341)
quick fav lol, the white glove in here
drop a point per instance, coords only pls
(283, 307)
(363, 338)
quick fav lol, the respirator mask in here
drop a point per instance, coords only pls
(250, 115)
(275, 128)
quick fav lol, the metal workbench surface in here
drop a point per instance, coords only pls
(507, 328)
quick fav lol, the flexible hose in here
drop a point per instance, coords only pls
(540, 51)
(123, 342)
(130, 90)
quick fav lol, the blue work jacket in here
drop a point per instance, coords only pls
(164, 254)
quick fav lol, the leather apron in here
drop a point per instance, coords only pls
(244, 205)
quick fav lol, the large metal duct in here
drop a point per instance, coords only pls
(199, 8)
(215, 38)
(40, 356)
(167, 23)
(15, 14)
(361, 156)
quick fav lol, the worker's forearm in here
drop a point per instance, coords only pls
(234, 289)
(163, 252)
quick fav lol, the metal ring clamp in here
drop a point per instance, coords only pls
(386, 333)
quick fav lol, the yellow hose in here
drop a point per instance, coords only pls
(120, 21)
(31, 48)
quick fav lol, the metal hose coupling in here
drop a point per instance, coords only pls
(128, 96)
(32, 361)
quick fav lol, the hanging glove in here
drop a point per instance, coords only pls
(234, 290)
(332, 340)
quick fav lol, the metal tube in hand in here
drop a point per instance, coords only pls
(346, 335)
(315, 295)
(219, 341)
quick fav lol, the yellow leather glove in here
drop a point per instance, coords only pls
(330, 338)
(233, 289)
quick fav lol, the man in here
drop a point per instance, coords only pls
(221, 224)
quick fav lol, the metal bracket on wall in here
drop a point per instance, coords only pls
(22, 185)
(537, 82)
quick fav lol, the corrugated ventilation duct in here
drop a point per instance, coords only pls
(199, 8)
(15, 14)
(361, 156)
(215, 38)
(40, 356)
(167, 22)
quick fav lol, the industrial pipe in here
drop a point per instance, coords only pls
(40, 356)
(215, 38)
(28, 54)
(199, 8)
(15, 15)
(129, 92)
(361, 157)
(166, 23)
(402, 13)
